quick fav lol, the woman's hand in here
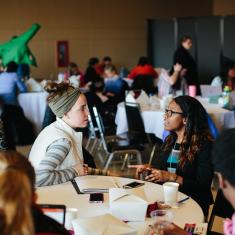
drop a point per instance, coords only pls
(160, 176)
(81, 169)
(139, 169)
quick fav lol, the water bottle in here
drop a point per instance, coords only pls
(226, 96)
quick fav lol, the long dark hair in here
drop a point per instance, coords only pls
(196, 129)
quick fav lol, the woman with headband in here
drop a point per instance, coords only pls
(57, 154)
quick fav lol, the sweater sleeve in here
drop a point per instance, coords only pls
(47, 172)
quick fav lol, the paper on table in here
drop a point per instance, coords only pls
(143, 98)
(91, 184)
(102, 225)
(128, 204)
(130, 98)
(154, 102)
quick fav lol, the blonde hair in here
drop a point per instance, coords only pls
(15, 201)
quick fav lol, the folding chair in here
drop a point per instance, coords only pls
(136, 130)
(115, 145)
(221, 208)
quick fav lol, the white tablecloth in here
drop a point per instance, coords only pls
(153, 120)
(34, 106)
(188, 212)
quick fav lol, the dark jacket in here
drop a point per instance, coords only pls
(183, 57)
(197, 175)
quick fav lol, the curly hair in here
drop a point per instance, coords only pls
(196, 129)
(56, 89)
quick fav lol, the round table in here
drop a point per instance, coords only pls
(188, 212)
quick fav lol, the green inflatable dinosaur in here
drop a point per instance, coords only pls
(17, 48)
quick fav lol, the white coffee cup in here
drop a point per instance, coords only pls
(71, 214)
(170, 192)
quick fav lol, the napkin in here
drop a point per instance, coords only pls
(130, 97)
(33, 86)
(154, 102)
(74, 80)
(128, 204)
(102, 225)
(143, 98)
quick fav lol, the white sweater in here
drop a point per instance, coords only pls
(40, 151)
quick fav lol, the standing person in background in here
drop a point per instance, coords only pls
(143, 68)
(183, 57)
(9, 83)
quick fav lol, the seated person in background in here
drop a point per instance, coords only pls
(23, 72)
(57, 154)
(9, 82)
(92, 73)
(143, 68)
(226, 76)
(223, 158)
(186, 119)
(35, 220)
(106, 106)
(73, 70)
(165, 81)
(106, 62)
(113, 83)
(15, 201)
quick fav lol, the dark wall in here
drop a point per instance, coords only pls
(213, 37)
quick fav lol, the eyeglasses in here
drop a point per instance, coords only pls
(169, 112)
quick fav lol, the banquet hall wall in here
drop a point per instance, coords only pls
(94, 28)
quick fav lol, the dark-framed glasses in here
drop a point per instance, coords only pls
(169, 112)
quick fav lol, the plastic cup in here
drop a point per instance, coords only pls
(160, 218)
(170, 193)
(192, 90)
(71, 214)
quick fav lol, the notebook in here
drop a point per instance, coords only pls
(93, 184)
(209, 91)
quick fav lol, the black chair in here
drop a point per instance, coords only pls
(116, 145)
(144, 82)
(221, 208)
(136, 130)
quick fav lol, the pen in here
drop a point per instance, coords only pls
(183, 200)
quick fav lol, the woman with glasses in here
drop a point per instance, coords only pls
(185, 156)
(57, 154)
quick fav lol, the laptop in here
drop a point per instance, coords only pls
(210, 91)
(56, 212)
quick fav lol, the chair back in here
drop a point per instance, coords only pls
(135, 123)
(144, 82)
(221, 208)
(100, 126)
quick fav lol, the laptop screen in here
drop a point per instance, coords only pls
(209, 91)
(56, 212)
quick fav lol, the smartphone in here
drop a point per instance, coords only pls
(96, 198)
(133, 184)
(56, 212)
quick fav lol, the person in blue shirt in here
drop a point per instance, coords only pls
(10, 83)
(113, 82)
